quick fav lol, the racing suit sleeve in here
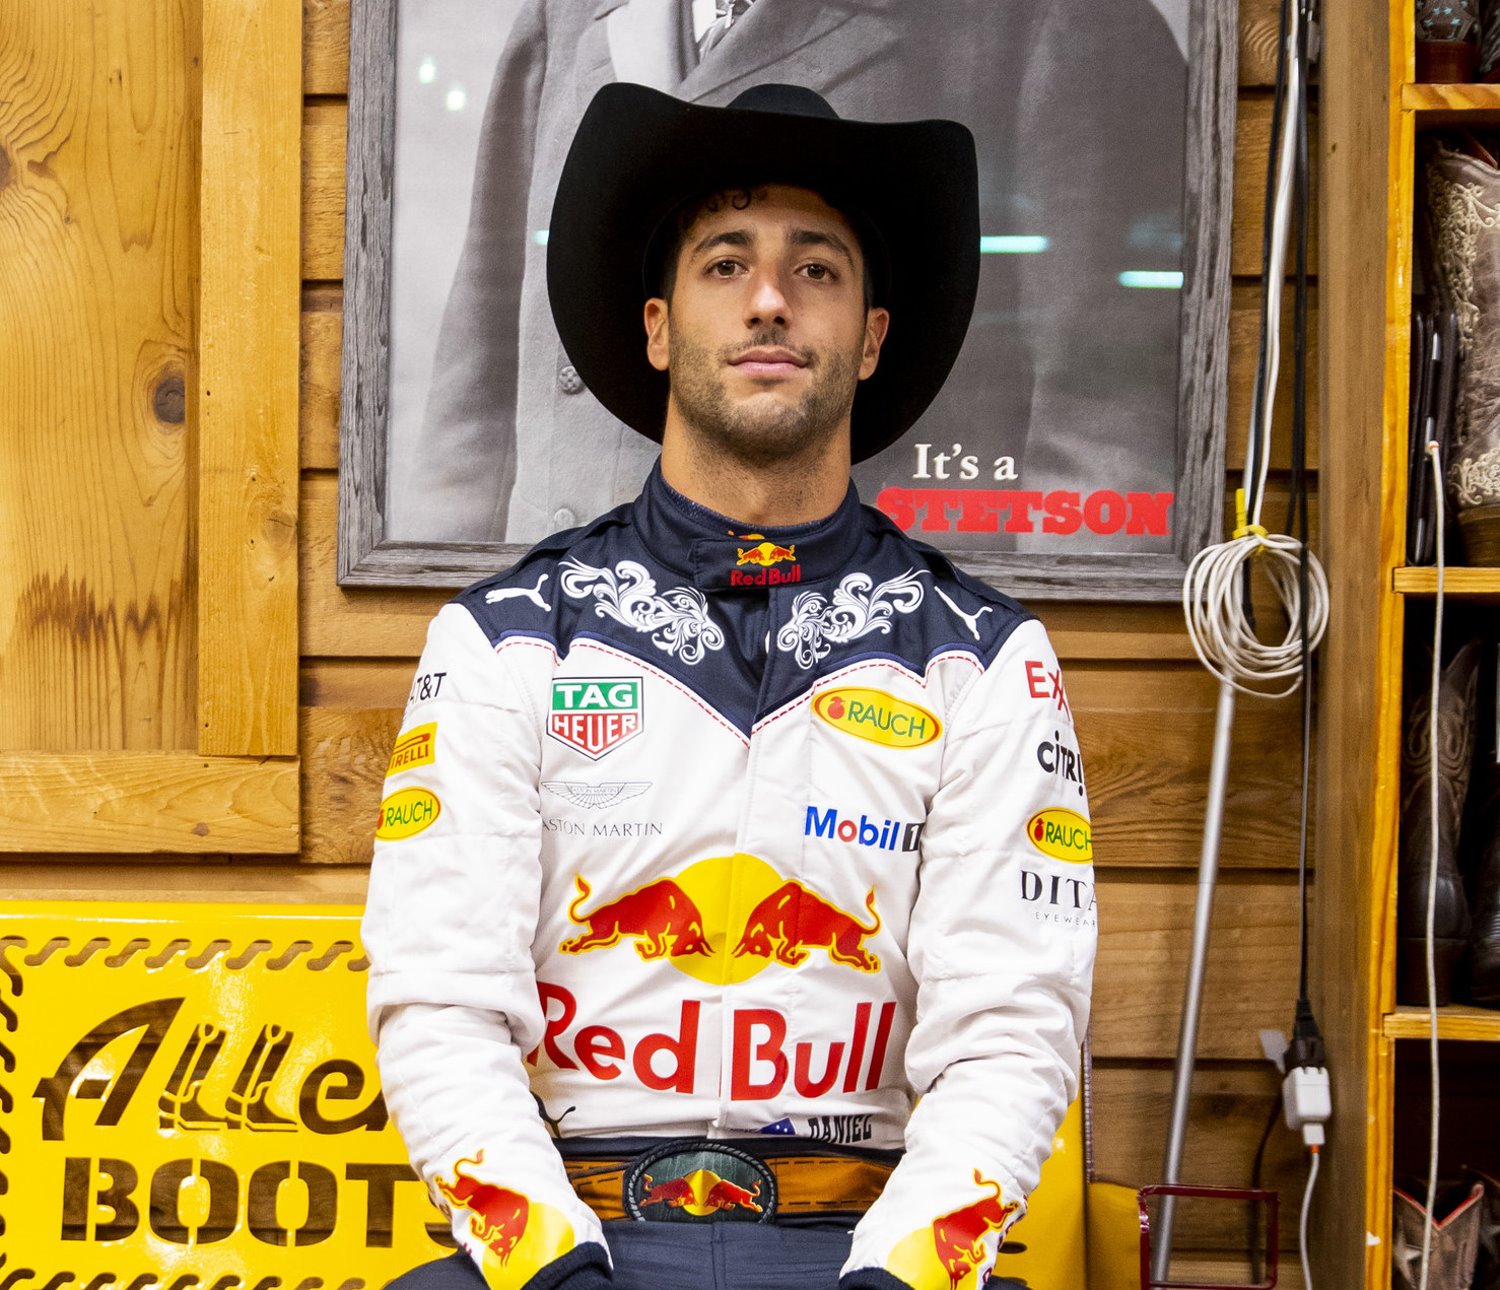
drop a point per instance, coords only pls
(1001, 943)
(452, 998)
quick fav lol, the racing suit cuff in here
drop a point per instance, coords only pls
(871, 1279)
(585, 1267)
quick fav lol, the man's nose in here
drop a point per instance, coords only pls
(767, 303)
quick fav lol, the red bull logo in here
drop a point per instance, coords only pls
(497, 1215)
(767, 1056)
(685, 1183)
(702, 1193)
(724, 919)
(766, 554)
(958, 1236)
(794, 919)
(660, 917)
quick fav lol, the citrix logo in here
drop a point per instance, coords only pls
(888, 835)
(1060, 759)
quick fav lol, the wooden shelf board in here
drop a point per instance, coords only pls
(1413, 580)
(1456, 1021)
(1437, 105)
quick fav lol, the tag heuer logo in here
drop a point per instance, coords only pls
(595, 714)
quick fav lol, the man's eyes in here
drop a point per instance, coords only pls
(728, 268)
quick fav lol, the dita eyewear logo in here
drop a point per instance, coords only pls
(595, 715)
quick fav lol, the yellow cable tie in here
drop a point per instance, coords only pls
(1243, 527)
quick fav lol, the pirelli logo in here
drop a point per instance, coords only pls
(416, 747)
(596, 714)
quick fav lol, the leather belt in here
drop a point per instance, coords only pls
(701, 1180)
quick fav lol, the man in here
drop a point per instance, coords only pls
(723, 826)
(1078, 109)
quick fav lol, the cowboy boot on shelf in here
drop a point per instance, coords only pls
(1487, 1269)
(1455, 1241)
(1457, 693)
(1463, 207)
(1447, 40)
(1483, 968)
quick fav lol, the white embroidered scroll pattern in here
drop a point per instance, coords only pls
(677, 620)
(859, 606)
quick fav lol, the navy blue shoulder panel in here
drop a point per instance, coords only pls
(599, 582)
(891, 598)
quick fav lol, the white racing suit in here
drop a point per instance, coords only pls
(694, 832)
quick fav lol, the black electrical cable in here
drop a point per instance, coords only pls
(1306, 1048)
(1257, 1271)
(1297, 504)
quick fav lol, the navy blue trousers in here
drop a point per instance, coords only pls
(708, 1256)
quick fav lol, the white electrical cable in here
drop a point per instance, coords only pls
(1213, 605)
(1432, 862)
(1212, 590)
(1312, 1177)
(1280, 230)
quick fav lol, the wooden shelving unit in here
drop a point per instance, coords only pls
(1478, 1025)
(1371, 115)
(1416, 581)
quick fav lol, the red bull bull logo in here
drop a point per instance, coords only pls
(958, 1236)
(659, 917)
(764, 556)
(766, 553)
(794, 919)
(680, 1183)
(702, 1192)
(497, 1215)
(723, 920)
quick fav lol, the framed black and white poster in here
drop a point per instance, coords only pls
(1077, 448)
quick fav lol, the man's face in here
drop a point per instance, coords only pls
(766, 335)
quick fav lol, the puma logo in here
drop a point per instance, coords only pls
(533, 594)
(970, 620)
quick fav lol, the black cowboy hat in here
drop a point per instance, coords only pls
(640, 154)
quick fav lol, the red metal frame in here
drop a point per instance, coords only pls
(1241, 1194)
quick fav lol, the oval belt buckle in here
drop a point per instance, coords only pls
(695, 1181)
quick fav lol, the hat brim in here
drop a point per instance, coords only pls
(639, 154)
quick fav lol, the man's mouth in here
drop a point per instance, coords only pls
(768, 360)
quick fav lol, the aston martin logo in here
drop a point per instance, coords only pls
(595, 796)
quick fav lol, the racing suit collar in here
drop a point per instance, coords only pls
(719, 552)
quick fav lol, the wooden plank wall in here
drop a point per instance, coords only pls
(98, 292)
(1145, 708)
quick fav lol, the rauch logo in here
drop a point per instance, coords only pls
(877, 716)
(406, 813)
(595, 715)
(888, 835)
(1061, 834)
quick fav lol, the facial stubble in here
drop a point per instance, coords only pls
(761, 432)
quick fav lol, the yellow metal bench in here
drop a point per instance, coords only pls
(189, 1101)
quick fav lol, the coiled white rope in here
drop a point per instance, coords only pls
(1213, 604)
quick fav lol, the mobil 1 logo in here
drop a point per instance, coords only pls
(596, 714)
